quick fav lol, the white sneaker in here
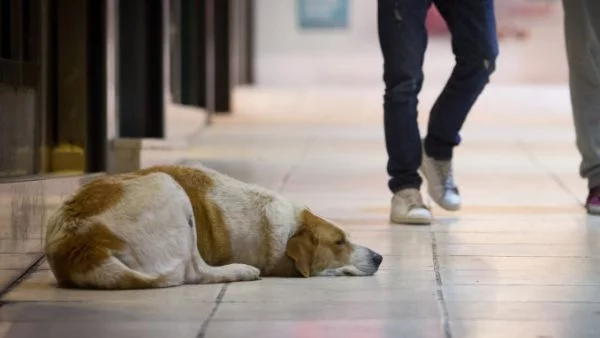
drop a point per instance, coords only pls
(408, 208)
(440, 183)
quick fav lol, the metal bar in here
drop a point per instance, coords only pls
(35, 52)
(43, 121)
(112, 68)
(221, 55)
(210, 60)
(249, 52)
(16, 31)
(96, 148)
(5, 27)
(141, 99)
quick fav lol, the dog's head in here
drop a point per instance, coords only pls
(319, 248)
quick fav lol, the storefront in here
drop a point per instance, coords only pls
(74, 74)
(77, 76)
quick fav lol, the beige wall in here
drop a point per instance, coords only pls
(287, 56)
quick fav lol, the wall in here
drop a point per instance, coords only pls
(278, 30)
(286, 55)
(289, 57)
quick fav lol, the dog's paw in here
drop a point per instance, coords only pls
(232, 273)
(238, 273)
(244, 272)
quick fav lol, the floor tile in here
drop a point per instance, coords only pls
(533, 329)
(329, 328)
(121, 311)
(591, 250)
(4, 328)
(515, 263)
(520, 277)
(326, 310)
(41, 286)
(57, 329)
(388, 286)
(522, 293)
(524, 311)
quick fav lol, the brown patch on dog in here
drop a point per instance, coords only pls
(284, 267)
(81, 249)
(78, 251)
(213, 236)
(94, 198)
(84, 246)
(265, 250)
(317, 245)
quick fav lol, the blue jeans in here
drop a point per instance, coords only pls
(403, 40)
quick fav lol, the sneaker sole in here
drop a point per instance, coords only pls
(440, 203)
(592, 210)
(411, 221)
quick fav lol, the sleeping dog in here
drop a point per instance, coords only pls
(172, 225)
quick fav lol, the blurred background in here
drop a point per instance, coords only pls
(348, 53)
(84, 83)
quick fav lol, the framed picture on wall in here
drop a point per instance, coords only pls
(322, 14)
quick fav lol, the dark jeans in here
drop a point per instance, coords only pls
(403, 40)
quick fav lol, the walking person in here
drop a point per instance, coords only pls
(403, 40)
(582, 35)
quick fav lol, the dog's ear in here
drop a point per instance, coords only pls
(300, 249)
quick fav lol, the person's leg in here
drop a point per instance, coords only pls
(593, 10)
(403, 40)
(472, 24)
(475, 46)
(582, 35)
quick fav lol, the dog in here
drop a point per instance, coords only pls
(166, 226)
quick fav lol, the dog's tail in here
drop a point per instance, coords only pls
(114, 274)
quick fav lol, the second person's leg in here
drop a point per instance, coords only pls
(582, 35)
(472, 24)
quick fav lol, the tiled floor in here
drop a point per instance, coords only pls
(521, 260)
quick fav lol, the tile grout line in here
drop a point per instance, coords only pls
(33, 267)
(439, 291)
(552, 175)
(213, 312)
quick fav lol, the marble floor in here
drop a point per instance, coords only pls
(519, 260)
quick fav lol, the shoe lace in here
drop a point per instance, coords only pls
(444, 170)
(412, 198)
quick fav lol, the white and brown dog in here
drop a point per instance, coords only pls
(171, 225)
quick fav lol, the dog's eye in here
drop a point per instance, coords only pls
(341, 241)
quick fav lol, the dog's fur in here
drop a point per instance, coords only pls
(172, 225)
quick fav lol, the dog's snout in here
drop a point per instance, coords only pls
(377, 258)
